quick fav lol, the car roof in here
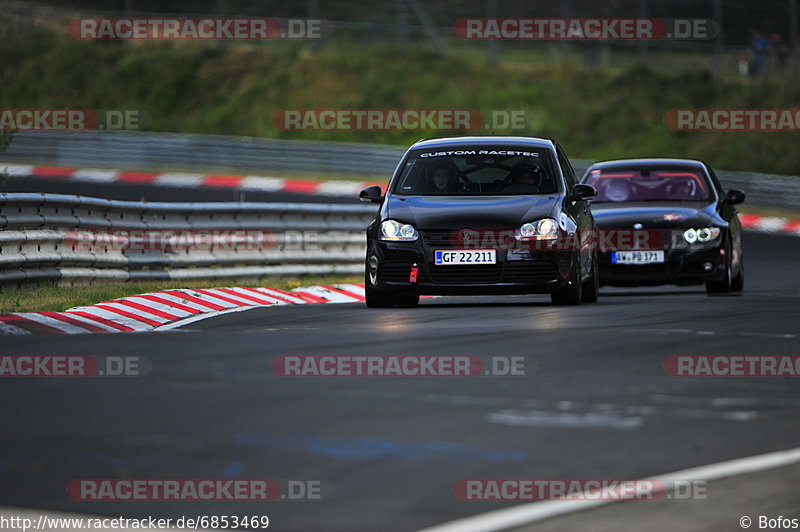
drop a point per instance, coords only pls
(485, 140)
(653, 162)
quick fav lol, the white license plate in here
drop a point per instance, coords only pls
(452, 257)
(637, 257)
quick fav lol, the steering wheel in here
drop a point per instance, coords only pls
(468, 185)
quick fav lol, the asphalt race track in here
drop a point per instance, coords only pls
(595, 402)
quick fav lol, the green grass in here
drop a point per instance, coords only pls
(200, 88)
(53, 298)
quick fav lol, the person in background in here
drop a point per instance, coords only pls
(758, 49)
(744, 65)
(779, 50)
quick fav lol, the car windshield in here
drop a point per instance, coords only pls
(615, 185)
(501, 171)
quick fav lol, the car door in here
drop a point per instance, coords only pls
(728, 213)
(577, 210)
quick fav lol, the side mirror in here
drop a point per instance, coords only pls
(371, 193)
(582, 192)
(734, 197)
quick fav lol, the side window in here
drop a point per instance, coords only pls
(566, 168)
(716, 183)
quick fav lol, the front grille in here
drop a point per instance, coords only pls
(527, 271)
(394, 272)
(443, 239)
(467, 274)
(468, 238)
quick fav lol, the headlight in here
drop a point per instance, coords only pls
(397, 232)
(546, 229)
(704, 234)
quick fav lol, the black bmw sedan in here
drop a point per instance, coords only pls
(680, 207)
(481, 215)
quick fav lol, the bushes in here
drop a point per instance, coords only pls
(199, 88)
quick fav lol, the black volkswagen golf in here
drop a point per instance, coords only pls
(681, 205)
(481, 215)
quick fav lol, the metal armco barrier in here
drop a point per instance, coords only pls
(215, 153)
(51, 237)
(206, 153)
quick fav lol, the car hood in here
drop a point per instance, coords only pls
(654, 214)
(484, 212)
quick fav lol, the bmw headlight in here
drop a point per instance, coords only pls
(704, 234)
(546, 229)
(394, 231)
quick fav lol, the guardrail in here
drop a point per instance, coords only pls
(51, 237)
(206, 153)
(215, 153)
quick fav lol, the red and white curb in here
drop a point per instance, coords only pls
(770, 224)
(147, 312)
(189, 180)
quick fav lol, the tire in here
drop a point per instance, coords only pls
(590, 290)
(406, 300)
(737, 285)
(725, 285)
(375, 299)
(570, 295)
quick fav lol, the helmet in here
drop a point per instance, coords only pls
(531, 169)
(618, 190)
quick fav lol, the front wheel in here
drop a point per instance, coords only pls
(724, 285)
(570, 294)
(406, 300)
(590, 290)
(377, 299)
(737, 285)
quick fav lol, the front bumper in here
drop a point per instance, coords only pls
(389, 266)
(681, 266)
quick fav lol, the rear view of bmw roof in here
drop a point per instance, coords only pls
(648, 162)
(490, 140)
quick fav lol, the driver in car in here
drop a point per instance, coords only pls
(683, 190)
(525, 179)
(444, 179)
